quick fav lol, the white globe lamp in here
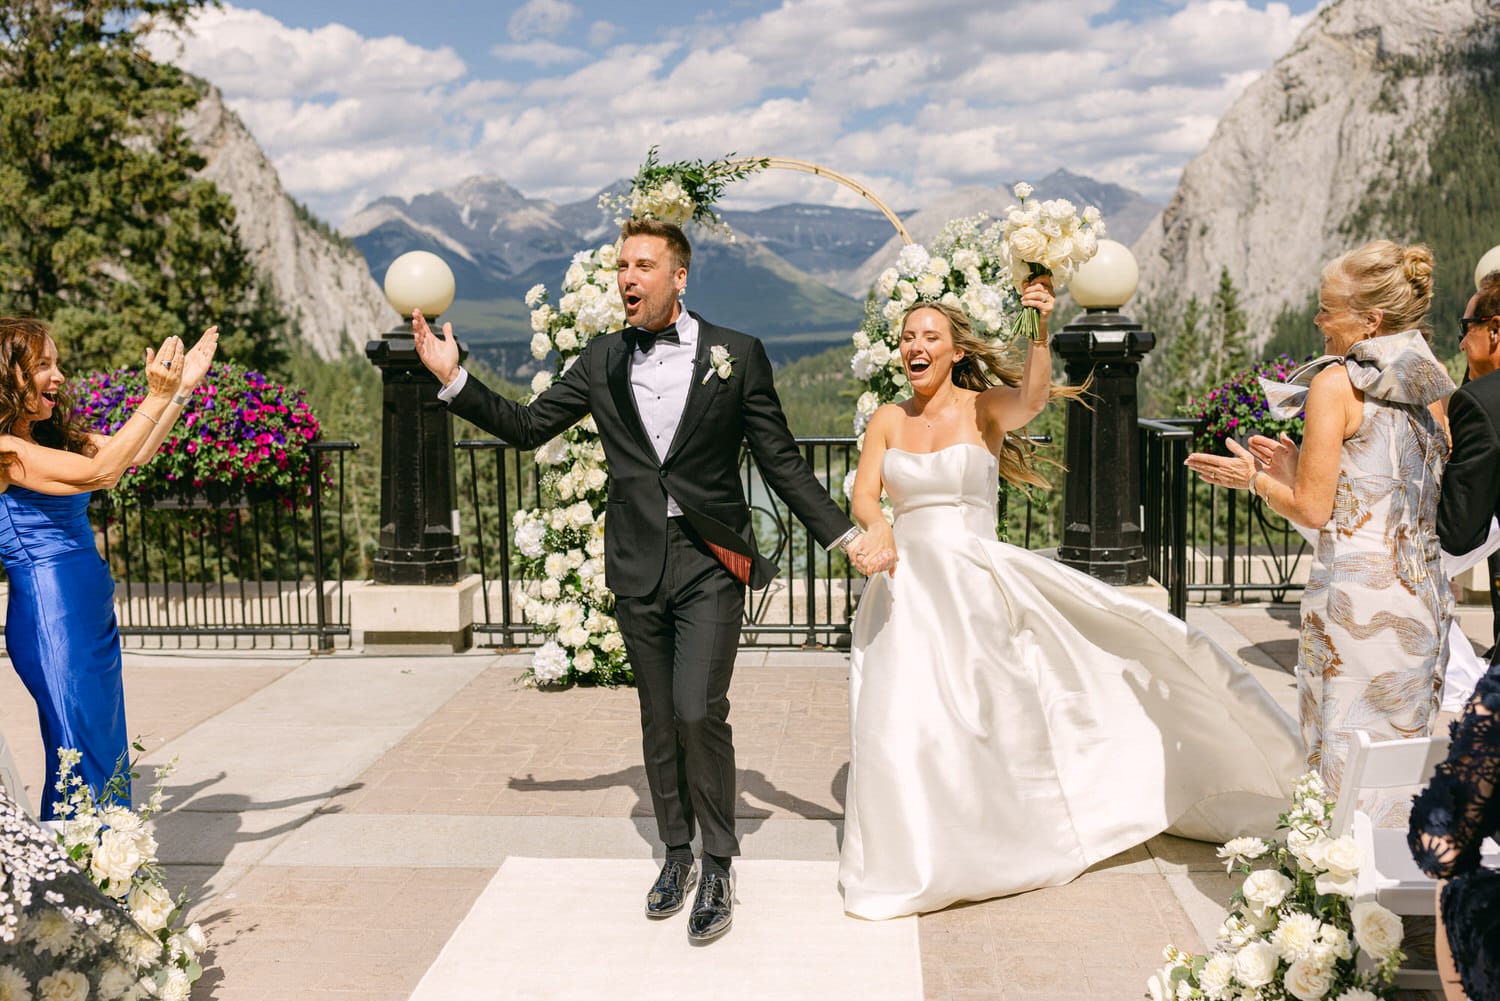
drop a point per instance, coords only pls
(419, 280)
(1108, 279)
(1489, 262)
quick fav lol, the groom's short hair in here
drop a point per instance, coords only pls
(677, 243)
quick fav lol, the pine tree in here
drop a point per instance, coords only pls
(1229, 348)
(104, 229)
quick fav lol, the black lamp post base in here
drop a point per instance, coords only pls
(1112, 566)
(443, 567)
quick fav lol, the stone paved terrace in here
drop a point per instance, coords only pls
(335, 817)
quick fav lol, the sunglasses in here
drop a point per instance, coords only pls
(1465, 322)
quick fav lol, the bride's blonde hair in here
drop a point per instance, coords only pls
(985, 363)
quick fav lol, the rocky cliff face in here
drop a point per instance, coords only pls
(1286, 182)
(320, 280)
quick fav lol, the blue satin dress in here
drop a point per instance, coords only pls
(61, 634)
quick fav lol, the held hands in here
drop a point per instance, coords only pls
(439, 354)
(164, 368)
(873, 551)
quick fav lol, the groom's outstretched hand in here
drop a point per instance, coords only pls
(439, 354)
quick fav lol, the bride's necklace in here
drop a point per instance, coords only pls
(941, 417)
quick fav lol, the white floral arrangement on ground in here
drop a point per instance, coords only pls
(967, 266)
(1293, 930)
(561, 545)
(1047, 238)
(135, 950)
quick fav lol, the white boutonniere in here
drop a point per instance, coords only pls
(720, 363)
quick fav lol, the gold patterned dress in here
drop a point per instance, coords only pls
(1377, 606)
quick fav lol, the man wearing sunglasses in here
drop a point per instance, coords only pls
(1471, 481)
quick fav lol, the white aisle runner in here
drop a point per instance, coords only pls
(560, 929)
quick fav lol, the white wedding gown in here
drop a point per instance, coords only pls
(1013, 721)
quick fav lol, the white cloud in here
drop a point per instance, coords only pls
(980, 94)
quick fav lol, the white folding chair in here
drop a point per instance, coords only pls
(1387, 873)
(10, 779)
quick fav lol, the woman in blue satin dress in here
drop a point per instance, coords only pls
(60, 630)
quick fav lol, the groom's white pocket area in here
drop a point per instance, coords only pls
(791, 940)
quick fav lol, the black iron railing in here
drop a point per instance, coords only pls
(236, 573)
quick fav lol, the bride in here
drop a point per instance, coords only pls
(1013, 721)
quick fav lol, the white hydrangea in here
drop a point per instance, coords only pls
(912, 260)
(549, 663)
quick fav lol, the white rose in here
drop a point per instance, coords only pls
(150, 906)
(551, 590)
(595, 546)
(608, 257)
(177, 987)
(861, 340)
(575, 558)
(1091, 215)
(906, 293)
(886, 283)
(1085, 246)
(540, 345)
(116, 859)
(1336, 942)
(583, 661)
(595, 479)
(611, 642)
(1159, 985)
(1266, 889)
(541, 382)
(196, 938)
(114, 982)
(1308, 980)
(566, 339)
(541, 318)
(575, 276)
(120, 819)
(1356, 994)
(1028, 243)
(574, 637)
(1339, 856)
(1376, 929)
(892, 312)
(1255, 964)
(1023, 190)
(534, 294)
(867, 403)
(1295, 937)
(880, 355)
(1215, 976)
(64, 985)
(81, 831)
(581, 515)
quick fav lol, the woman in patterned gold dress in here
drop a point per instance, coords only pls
(1376, 609)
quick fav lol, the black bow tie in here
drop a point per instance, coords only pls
(644, 340)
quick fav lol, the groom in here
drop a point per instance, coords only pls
(673, 396)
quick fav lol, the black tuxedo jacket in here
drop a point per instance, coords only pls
(1471, 480)
(701, 468)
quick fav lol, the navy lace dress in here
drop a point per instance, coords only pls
(1449, 821)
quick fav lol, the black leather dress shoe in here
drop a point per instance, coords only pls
(669, 892)
(713, 911)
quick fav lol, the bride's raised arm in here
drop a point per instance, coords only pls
(1007, 408)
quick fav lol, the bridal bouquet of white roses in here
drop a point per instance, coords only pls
(1293, 929)
(1049, 238)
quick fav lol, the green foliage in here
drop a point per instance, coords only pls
(1449, 202)
(104, 229)
(1197, 346)
(1293, 332)
(817, 393)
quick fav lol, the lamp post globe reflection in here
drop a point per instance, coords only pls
(1489, 262)
(1102, 488)
(418, 488)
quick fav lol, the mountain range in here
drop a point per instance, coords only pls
(794, 274)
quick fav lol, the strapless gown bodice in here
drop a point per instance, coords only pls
(38, 527)
(1013, 721)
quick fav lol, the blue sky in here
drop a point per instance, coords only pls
(356, 100)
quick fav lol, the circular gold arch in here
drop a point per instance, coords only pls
(807, 167)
